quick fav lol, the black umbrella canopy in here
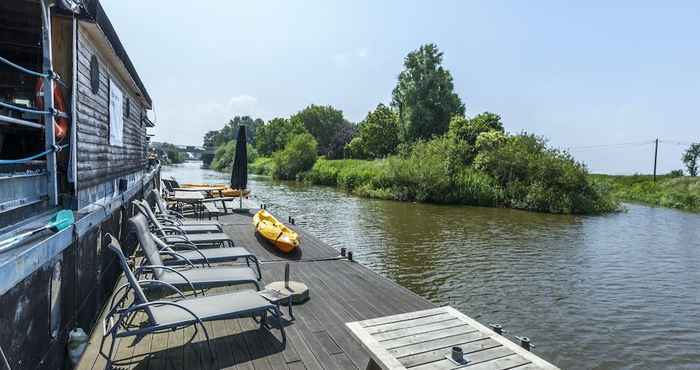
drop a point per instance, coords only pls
(239, 171)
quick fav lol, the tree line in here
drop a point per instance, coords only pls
(420, 146)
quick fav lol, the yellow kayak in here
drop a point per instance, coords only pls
(226, 192)
(282, 237)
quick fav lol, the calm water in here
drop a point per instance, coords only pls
(610, 292)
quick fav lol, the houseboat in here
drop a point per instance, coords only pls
(73, 136)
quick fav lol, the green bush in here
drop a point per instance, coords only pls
(262, 166)
(224, 155)
(298, 155)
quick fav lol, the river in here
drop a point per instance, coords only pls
(620, 291)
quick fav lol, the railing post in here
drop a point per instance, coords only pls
(49, 137)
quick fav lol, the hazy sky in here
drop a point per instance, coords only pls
(582, 75)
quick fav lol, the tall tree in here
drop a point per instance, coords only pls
(323, 122)
(424, 95)
(377, 135)
(273, 135)
(690, 158)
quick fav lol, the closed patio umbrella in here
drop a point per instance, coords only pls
(239, 171)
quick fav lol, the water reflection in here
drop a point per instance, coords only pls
(612, 292)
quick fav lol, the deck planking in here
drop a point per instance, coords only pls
(340, 291)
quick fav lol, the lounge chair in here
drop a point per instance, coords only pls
(171, 315)
(186, 276)
(195, 256)
(163, 225)
(173, 234)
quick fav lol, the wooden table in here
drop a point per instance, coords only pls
(209, 190)
(422, 339)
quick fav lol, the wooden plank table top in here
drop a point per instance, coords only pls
(423, 339)
(187, 196)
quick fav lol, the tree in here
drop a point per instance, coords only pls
(377, 135)
(424, 95)
(690, 159)
(213, 139)
(323, 122)
(273, 135)
(210, 139)
(464, 134)
(298, 155)
(336, 148)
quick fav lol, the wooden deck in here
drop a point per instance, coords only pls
(341, 291)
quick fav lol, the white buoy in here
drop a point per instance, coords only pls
(77, 342)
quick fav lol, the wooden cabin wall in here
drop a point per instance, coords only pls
(98, 161)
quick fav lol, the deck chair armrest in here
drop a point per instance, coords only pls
(168, 285)
(178, 255)
(166, 268)
(173, 228)
(169, 221)
(192, 247)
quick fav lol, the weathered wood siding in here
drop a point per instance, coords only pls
(98, 161)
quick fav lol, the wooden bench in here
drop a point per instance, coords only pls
(424, 340)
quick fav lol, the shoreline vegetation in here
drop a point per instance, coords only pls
(424, 147)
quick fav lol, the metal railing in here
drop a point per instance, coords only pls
(49, 111)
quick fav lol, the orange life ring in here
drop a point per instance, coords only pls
(60, 124)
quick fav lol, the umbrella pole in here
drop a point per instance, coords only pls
(240, 200)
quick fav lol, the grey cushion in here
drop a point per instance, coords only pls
(210, 276)
(212, 307)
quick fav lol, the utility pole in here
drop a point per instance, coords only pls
(656, 154)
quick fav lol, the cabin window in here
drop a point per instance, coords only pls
(127, 108)
(94, 75)
(116, 116)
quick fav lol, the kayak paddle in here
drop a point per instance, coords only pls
(62, 220)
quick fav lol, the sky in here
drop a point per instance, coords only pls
(587, 75)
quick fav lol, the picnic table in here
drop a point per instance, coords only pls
(210, 190)
(425, 340)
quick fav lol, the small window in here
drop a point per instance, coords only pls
(127, 111)
(94, 75)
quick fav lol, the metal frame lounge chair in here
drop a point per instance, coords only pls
(194, 256)
(164, 225)
(174, 234)
(186, 276)
(171, 315)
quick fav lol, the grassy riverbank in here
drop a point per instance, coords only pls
(668, 191)
(427, 179)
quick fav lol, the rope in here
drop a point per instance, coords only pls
(56, 148)
(54, 112)
(26, 110)
(28, 71)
